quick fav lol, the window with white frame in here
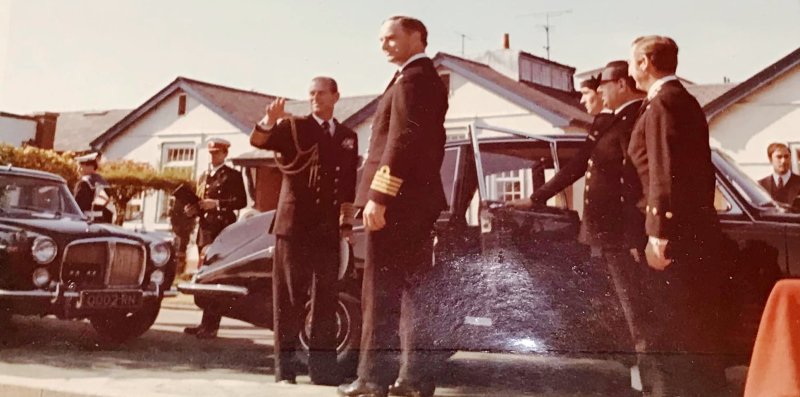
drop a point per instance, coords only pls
(177, 158)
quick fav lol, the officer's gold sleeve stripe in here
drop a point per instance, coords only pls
(384, 182)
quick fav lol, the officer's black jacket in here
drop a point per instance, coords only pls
(225, 185)
(311, 200)
(670, 150)
(407, 143)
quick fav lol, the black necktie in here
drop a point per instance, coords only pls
(780, 183)
(326, 126)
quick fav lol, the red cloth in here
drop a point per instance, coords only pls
(775, 366)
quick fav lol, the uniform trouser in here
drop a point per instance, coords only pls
(683, 329)
(304, 265)
(211, 319)
(399, 256)
(626, 275)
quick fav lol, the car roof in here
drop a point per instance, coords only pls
(558, 138)
(29, 173)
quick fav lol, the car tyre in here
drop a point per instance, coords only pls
(119, 327)
(348, 336)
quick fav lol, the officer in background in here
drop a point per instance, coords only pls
(221, 192)
(783, 184)
(318, 160)
(89, 191)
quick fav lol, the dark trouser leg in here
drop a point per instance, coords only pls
(290, 280)
(322, 363)
(396, 255)
(626, 277)
(381, 298)
(210, 321)
(684, 332)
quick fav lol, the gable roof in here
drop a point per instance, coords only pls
(558, 111)
(239, 107)
(705, 93)
(74, 130)
(345, 108)
(594, 72)
(749, 86)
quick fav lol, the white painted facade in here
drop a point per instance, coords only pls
(152, 135)
(770, 114)
(15, 130)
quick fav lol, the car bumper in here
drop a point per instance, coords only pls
(55, 295)
(212, 289)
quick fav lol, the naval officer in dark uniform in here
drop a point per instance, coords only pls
(89, 190)
(319, 160)
(611, 223)
(670, 151)
(402, 195)
(221, 193)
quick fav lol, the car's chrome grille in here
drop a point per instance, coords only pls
(93, 263)
(127, 266)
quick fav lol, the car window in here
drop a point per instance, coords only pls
(721, 203)
(448, 173)
(34, 195)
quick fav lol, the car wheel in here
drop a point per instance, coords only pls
(348, 333)
(119, 327)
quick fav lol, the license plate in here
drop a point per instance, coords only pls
(110, 299)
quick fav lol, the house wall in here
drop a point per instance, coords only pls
(15, 130)
(145, 141)
(771, 114)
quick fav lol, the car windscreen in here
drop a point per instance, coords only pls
(746, 186)
(34, 196)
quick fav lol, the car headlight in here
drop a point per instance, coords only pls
(157, 277)
(159, 254)
(41, 277)
(44, 250)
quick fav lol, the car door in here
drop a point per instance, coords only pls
(539, 288)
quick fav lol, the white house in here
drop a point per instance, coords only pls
(763, 109)
(171, 129)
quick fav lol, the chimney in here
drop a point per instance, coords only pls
(45, 129)
(506, 39)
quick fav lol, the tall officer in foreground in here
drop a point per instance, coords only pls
(221, 193)
(670, 150)
(319, 160)
(402, 195)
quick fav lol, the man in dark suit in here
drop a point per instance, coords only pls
(221, 193)
(670, 150)
(402, 195)
(611, 223)
(319, 160)
(783, 185)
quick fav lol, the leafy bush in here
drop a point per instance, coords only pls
(62, 164)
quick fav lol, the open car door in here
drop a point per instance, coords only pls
(560, 297)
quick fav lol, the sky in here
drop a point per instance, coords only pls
(58, 55)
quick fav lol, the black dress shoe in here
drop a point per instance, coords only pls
(360, 388)
(192, 330)
(402, 388)
(287, 382)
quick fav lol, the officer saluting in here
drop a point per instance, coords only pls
(318, 159)
(221, 191)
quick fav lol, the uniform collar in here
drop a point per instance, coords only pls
(411, 59)
(215, 169)
(331, 122)
(653, 91)
(626, 104)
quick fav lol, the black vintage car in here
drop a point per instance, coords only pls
(56, 261)
(511, 280)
